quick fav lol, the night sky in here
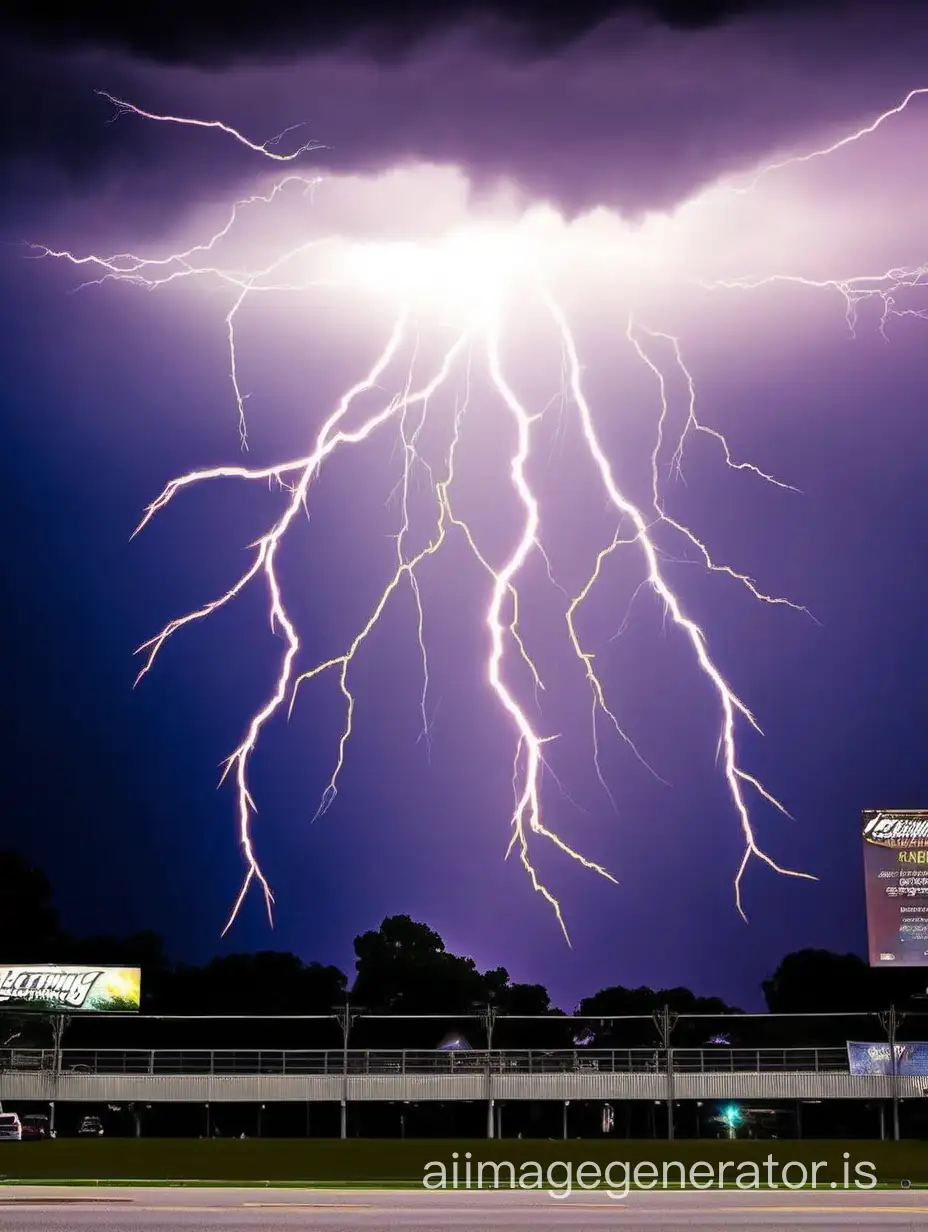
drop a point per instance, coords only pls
(625, 124)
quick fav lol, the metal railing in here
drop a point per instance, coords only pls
(715, 1060)
(760, 1060)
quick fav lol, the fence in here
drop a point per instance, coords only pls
(403, 1061)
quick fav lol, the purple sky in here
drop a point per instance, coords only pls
(624, 136)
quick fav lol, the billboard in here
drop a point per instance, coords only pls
(911, 1059)
(896, 879)
(70, 990)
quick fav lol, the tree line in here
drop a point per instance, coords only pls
(403, 968)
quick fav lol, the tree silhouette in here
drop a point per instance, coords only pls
(810, 981)
(404, 968)
(611, 1003)
(30, 927)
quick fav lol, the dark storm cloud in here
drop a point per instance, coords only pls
(208, 32)
(638, 114)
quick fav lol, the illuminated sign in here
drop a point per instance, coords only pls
(911, 1059)
(70, 990)
(896, 880)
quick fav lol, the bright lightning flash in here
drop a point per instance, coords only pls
(473, 272)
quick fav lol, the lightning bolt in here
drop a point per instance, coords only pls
(730, 703)
(882, 287)
(661, 353)
(823, 151)
(124, 108)
(600, 706)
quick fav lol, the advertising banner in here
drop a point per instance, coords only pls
(911, 1059)
(70, 990)
(896, 881)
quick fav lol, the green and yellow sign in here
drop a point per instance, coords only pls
(70, 990)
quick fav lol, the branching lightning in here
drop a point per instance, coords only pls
(481, 340)
(823, 151)
(882, 287)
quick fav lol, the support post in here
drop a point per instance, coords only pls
(60, 1024)
(890, 1022)
(665, 1022)
(489, 1022)
(893, 1025)
(345, 1015)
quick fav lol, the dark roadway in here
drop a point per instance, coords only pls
(35, 1209)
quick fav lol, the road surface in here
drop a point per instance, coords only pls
(58, 1209)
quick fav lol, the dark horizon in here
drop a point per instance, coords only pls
(404, 968)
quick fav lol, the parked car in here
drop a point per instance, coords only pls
(91, 1127)
(11, 1129)
(36, 1126)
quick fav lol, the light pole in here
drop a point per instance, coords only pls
(6, 1044)
(665, 1022)
(890, 1023)
(489, 1016)
(345, 1016)
(60, 1024)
